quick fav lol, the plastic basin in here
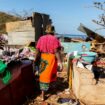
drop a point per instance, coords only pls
(88, 56)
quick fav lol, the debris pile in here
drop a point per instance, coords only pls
(8, 54)
(3, 40)
(101, 62)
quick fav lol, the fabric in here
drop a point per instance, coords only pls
(44, 86)
(48, 70)
(2, 67)
(6, 78)
(48, 44)
(5, 75)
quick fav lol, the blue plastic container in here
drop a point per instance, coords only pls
(88, 56)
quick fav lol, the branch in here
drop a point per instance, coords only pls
(99, 29)
(97, 22)
(13, 12)
(101, 8)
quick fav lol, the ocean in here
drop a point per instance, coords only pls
(72, 36)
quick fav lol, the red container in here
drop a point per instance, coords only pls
(5, 96)
(28, 78)
(17, 86)
(21, 85)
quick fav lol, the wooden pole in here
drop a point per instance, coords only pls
(70, 74)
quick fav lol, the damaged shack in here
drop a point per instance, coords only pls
(29, 30)
(87, 70)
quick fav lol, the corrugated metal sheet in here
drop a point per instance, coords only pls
(90, 33)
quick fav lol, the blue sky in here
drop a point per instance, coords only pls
(66, 14)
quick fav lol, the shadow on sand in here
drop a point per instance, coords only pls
(59, 86)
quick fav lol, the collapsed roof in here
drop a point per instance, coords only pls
(90, 33)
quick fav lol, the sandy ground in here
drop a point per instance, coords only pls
(58, 90)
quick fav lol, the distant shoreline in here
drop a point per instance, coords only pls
(72, 36)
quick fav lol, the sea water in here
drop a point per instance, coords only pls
(72, 36)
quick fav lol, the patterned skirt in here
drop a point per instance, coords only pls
(47, 71)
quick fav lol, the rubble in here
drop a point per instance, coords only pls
(86, 77)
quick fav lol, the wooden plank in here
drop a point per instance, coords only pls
(21, 38)
(19, 26)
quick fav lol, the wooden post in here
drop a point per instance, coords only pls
(70, 73)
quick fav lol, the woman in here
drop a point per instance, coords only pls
(48, 45)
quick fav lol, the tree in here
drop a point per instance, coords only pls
(22, 14)
(101, 21)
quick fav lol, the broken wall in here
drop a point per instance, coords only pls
(20, 32)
